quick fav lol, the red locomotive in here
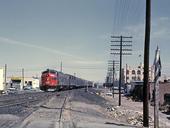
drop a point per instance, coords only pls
(49, 80)
(54, 80)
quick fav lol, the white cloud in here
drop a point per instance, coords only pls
(159, 36)
(49, 50)
(164, 19)
(89, 62)
(166, 65)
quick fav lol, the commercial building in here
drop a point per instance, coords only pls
(136, 73)
(29, 83)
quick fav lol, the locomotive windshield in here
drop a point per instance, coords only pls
(49, 71)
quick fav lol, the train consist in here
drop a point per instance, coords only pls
(52, 80)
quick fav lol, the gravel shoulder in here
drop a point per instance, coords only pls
(132, 112)
(88, 110)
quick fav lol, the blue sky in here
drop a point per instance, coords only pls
(39, 34)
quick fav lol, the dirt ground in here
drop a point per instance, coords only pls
(131, 112)
(82, 110)
(85, 110)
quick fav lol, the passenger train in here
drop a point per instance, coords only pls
(52, 80)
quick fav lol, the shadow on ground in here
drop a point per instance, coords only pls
(119, 124)
(45, 107)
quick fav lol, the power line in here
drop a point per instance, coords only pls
(126, 13)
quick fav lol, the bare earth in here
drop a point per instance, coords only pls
(82, 110)
(132, 112)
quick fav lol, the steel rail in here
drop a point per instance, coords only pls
(61, 111)
(23, 100)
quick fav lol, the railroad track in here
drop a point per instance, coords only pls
(24, 99)
(61, 111)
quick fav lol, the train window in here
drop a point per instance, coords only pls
(49, 71)
(44, 72)
(52, 71)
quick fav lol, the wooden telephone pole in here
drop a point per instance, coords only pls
(121, 49)
(146, 65)
(113, 64)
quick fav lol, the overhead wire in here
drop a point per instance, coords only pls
(126, 13)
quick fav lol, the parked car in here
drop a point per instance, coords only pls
(12, 91)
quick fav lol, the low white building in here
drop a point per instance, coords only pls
(29, 82)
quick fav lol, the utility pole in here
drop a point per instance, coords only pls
(22, 79)
(61, 67)
(126, 73)
(120, 51)
(146, 65)
(113, 78)
(113, 63)
(5, 74)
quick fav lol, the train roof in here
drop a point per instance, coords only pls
(49, 70)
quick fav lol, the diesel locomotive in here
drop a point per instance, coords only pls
(52, 80)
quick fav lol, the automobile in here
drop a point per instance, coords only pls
(117, 89)
(11, 90)
(109, 94)
(27, 88)
(128, 89)
(4, 93)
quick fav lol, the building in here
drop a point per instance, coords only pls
(29, 83)
(164, 91)
(136, 74)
